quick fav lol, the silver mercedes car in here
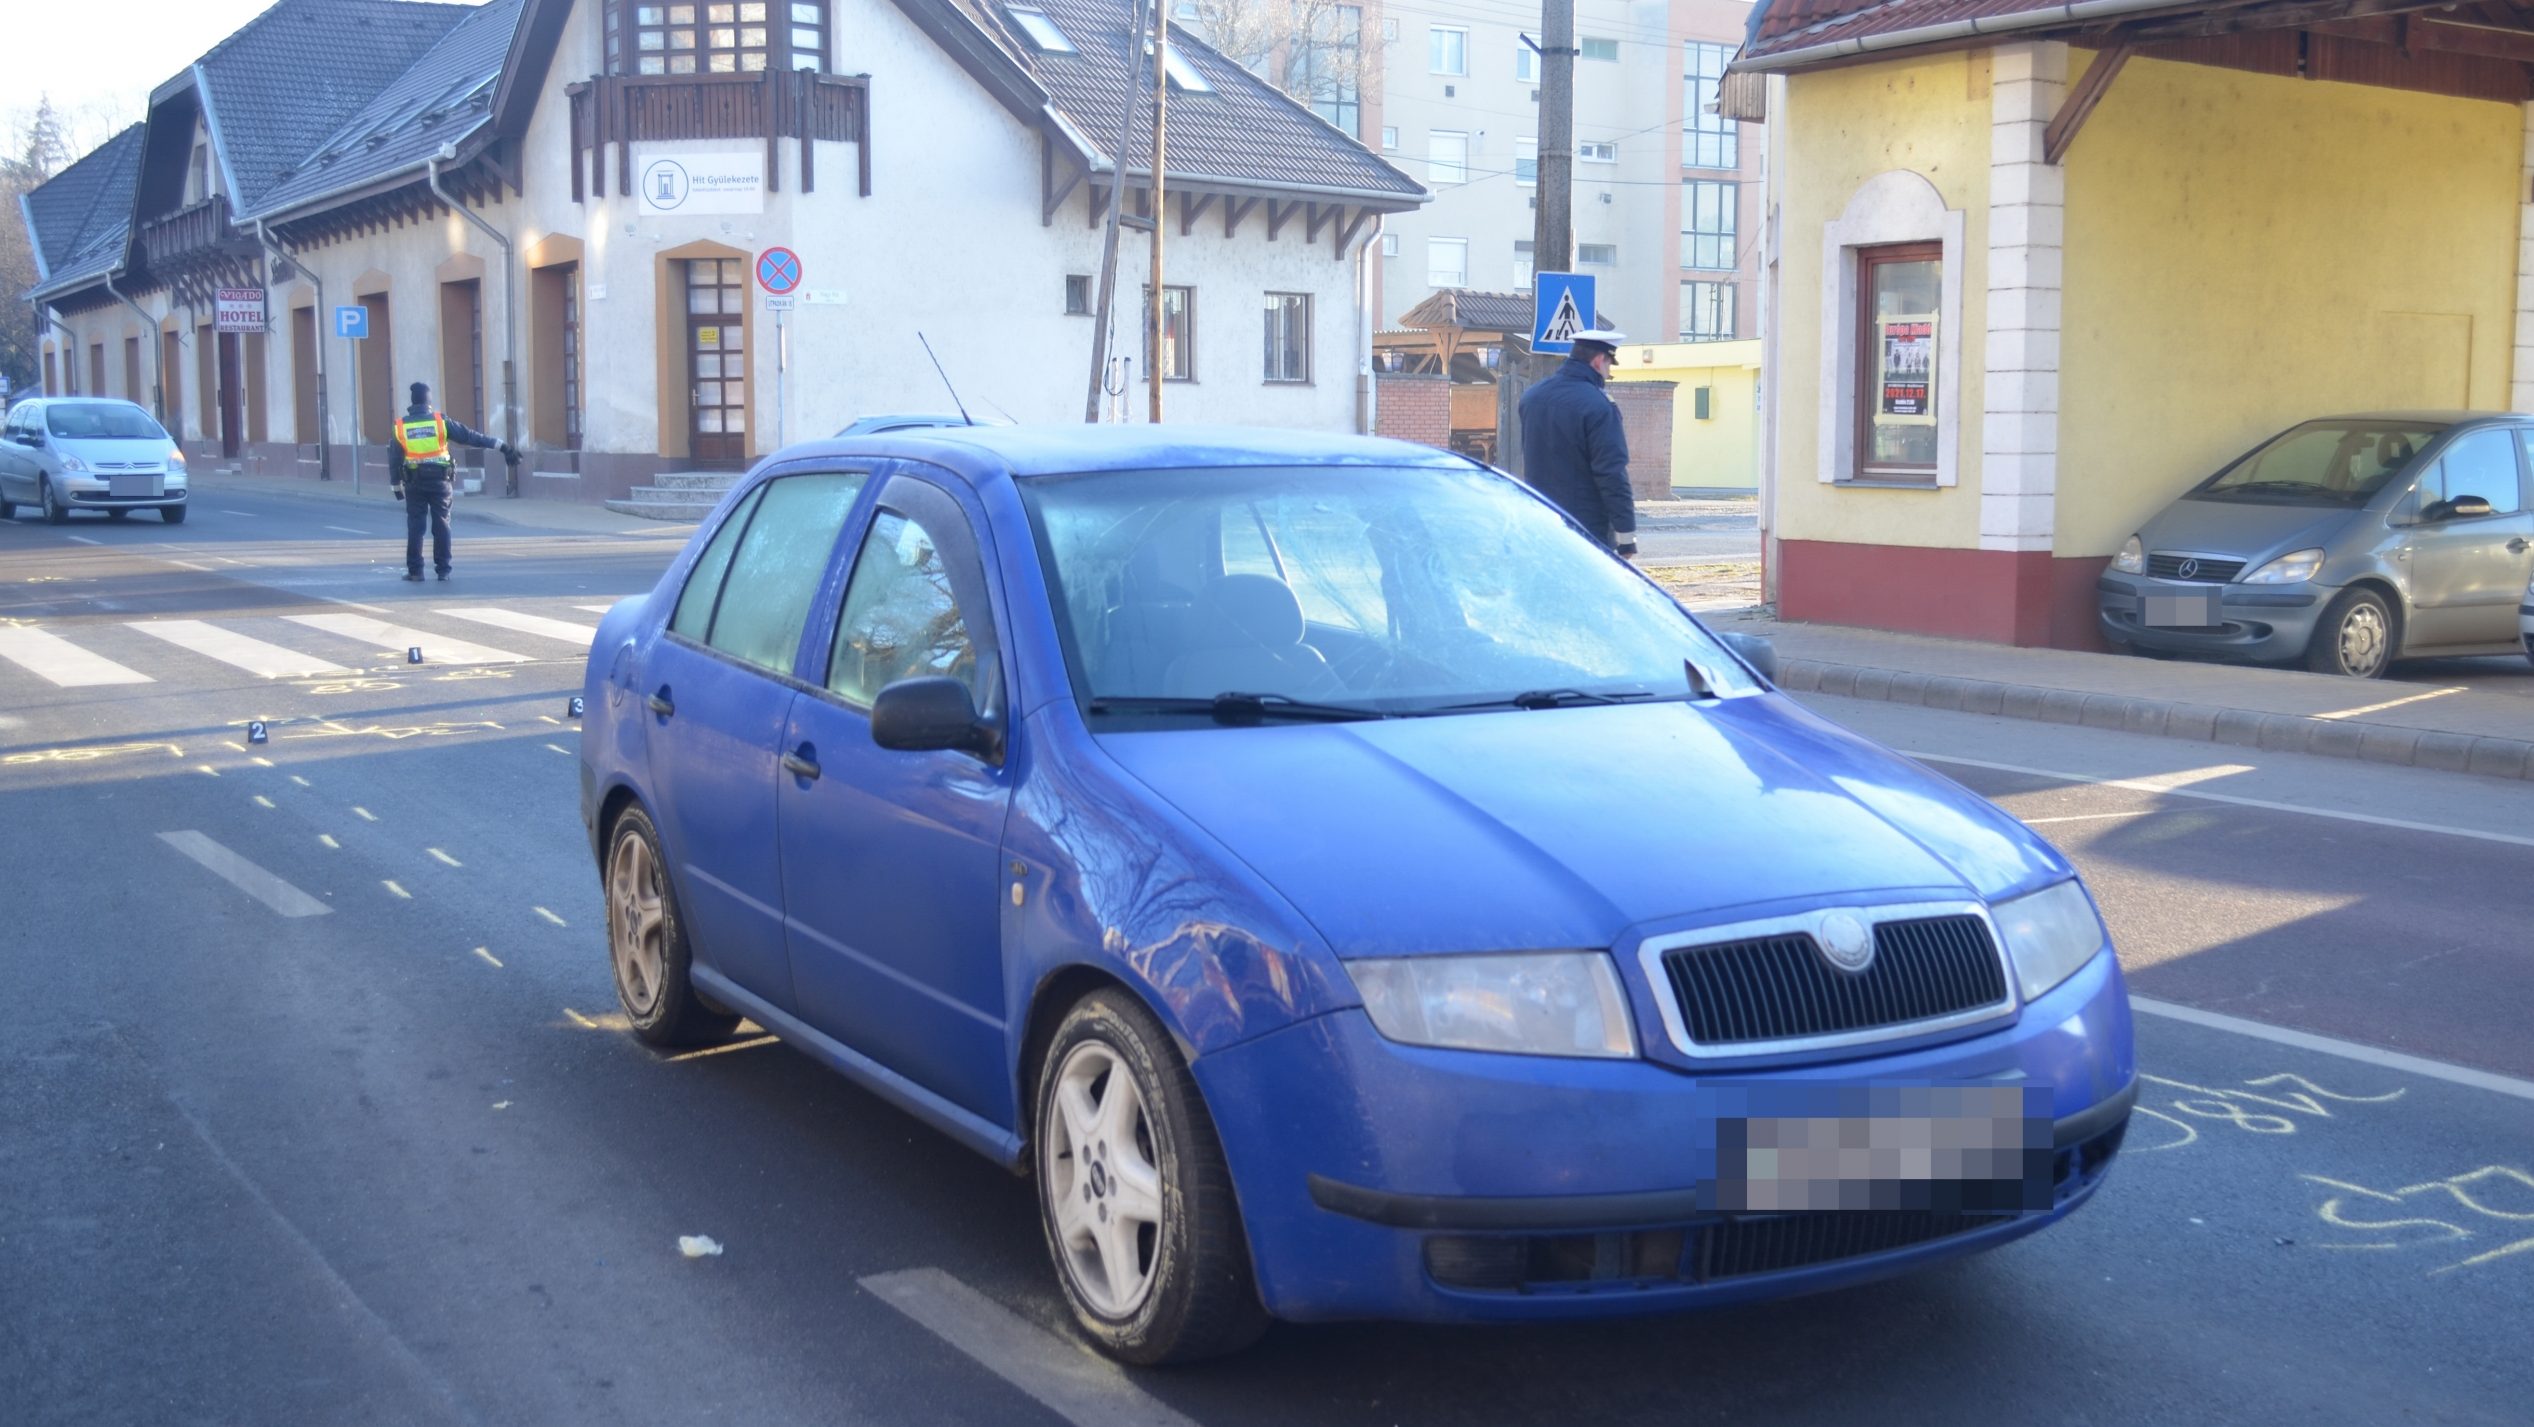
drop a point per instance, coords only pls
(63, 454)
(2342, 544)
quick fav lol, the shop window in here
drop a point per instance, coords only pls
(1899, 294)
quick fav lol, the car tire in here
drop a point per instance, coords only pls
(172, 514)
(1145, 1173)
(647, 945)
(8, 510)
(55, 513)
(2355, 638)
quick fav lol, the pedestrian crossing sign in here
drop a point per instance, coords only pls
(1561, 306)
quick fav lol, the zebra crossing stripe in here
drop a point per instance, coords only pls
(255, 656)
(57, 660)
(436, 649)
(578, 635)
(594, 608)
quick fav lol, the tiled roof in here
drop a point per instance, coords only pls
(444, 96)
(1475, 311)
(296, 74)
(80, 215)
(1244, 131)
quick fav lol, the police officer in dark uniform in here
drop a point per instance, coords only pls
(422, 476)
(1573, 448)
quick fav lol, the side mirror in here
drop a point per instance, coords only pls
(33, 437)
(2466, 507)
(1758, 651)
(930, 715)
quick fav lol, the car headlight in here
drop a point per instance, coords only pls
(2293, 568)
(175, 459)
(1528, 1003)
(2132, 558)
(2049, 935)
(72, 465)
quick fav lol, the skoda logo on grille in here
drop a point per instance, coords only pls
(1845, 942)
(2189, 570)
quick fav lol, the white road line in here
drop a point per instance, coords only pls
(594, 608)
(83, 540)
(2347, 1050)
(2144, 785)
(1064, 1377)
(190, 565)
(348, 530)
(56, 660)
(577, 635)
(437, 649)
(255, 656)
(238, 512)
(254, 881)
(2089, 817)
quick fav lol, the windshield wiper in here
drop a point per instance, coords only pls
(1233, 706)
(1545, 699)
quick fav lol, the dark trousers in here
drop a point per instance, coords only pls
(426, 500)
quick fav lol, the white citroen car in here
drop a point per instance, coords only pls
(89, 453)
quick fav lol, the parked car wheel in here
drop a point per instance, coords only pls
(55, 513)
(172, 514)
(646, 939)
(2354, 637)
(1134, 1194)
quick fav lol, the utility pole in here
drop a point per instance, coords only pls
(1117, 202)
(1553, 229)
(1157, 305)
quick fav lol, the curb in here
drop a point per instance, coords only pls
(2167, 718)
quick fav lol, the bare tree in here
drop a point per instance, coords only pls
(1317, 51)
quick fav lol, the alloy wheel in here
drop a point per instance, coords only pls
(1103, 1188)
(636, 924)
(2364, 640)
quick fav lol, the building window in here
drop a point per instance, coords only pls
(1707, 311)
(1708, 209)
(1522, 265)
(1077, 295)
(571, 332)
(1390, 138)
(1598, 153)
(1390, 245)
(1288, 337)
(1526, 161)
(721, 38)
(1596, 47)
(1526, 62)
(1447, 262)
(1446, 157)
(1899, 292)
(1606, 254)
(1708, 139)
(1178, 331)
(1447, 50)
(1040, 31)
(1324, 64)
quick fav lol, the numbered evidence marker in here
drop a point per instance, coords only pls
(255, 731)
(573, 707)
(414, 655)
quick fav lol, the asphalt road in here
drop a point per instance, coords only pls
(360, 1139)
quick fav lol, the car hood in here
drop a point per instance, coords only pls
(1564, 828)
(2246, 530)
(142, 455)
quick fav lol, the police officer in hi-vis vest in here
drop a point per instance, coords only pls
(420, 475)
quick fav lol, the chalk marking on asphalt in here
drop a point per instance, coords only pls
(1063, 1377)
(577, 635)
(190, 565)
(254, 881)
(584, 1022)
(750, 1044)
(61, 663)
(438, 649)
(444, 857)
(2089, 817)
(206, 768)
(559, 748)
(343, 1290)
(2347, 1050)
(82, 539)
(486, 955)
(327, 839)
(302, 782)
(366, 815)
(551, 719)
(263, 802)
(2170, 789)
(549, 916)
(272, 661)
(2391, 703)
(348, 530)
(261, 762)
(390, 884)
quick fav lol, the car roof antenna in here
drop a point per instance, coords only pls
(945, 380)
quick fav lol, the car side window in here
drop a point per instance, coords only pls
(780, 561)
(694, 616)
(2482, 464)
(915, 606)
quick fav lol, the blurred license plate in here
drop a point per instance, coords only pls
(2195, 609)
(1954, 1148)
(135, 487)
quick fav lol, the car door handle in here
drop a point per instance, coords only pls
(802, 762)
(662, 703)
(2517, 546)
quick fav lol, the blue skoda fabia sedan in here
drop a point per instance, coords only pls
(1339, 884)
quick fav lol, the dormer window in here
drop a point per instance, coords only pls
(717, 37)
(1041, 31)
(1183, 75)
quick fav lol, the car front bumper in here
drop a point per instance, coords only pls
(2268, 624)
(1371, 1175)
(97, 493)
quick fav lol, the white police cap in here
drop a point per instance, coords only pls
(1604, 335)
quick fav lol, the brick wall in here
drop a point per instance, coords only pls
(1413, 408)
(1645, 410)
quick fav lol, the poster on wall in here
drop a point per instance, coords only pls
(1907, 382)
(676, 184)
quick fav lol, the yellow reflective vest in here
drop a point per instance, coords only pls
(426, 440)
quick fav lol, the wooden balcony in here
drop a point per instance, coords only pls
(196, 234)
(629, 109)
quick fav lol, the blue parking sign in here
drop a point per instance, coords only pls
(352, 321)
(1561, 306)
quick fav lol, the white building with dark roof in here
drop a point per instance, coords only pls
(551, 211)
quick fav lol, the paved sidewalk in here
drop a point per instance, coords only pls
(490, 507)
(2461, 730)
